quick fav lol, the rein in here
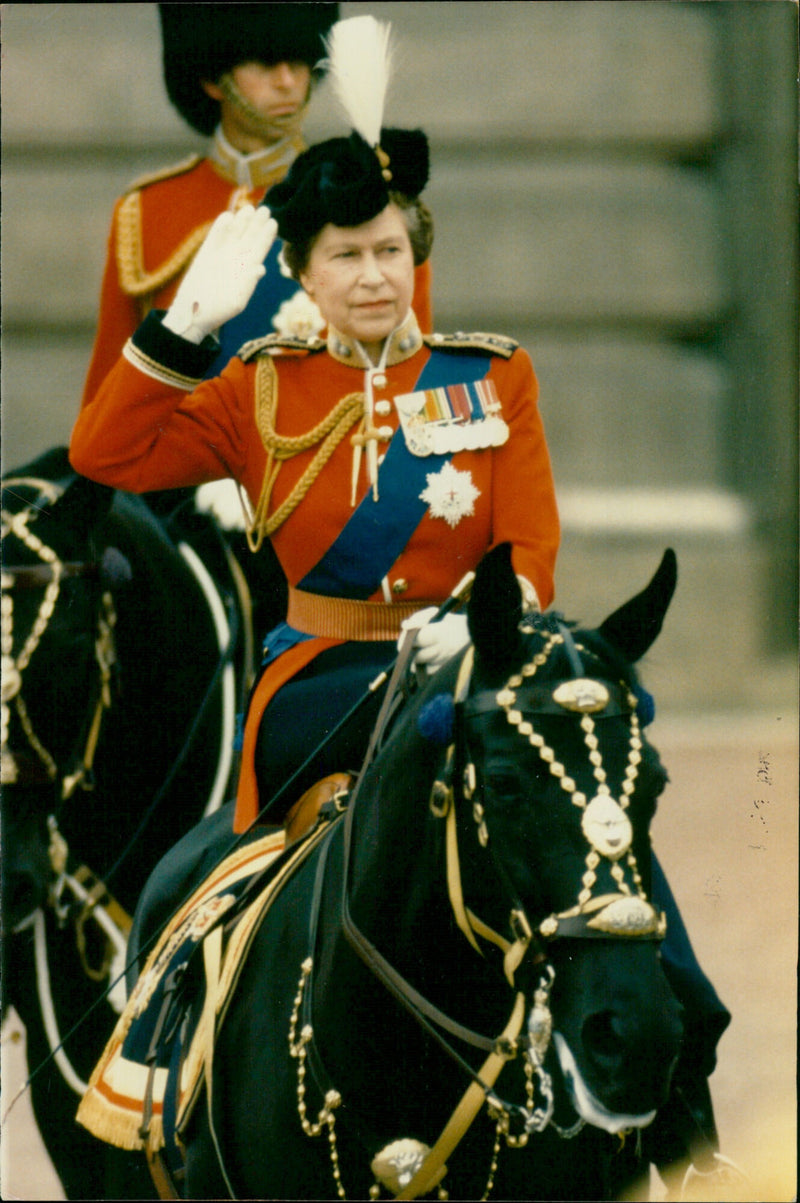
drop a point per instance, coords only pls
(429, 1016)
(429, 1163)
(625, 912)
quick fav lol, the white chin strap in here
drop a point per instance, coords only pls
(584, 1102)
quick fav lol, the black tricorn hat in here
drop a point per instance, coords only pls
(204, 41)
(342, 181)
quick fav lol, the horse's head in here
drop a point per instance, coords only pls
(57, 655)
(556, 785)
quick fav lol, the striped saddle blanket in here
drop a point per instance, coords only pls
(145, 1086)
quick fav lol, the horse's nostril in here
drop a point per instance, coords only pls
(602, 1036)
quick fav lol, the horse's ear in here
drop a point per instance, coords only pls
(634, 627)
(81, 506)
(495, 611)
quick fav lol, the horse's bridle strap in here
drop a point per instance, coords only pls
(422, 1009)
(454, 889)
(33, 576)
(471, 1102)
(467, 920)
(538, 699)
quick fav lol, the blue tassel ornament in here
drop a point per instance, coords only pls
(436, 719)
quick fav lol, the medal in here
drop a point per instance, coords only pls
(455, 417)
(450, 494)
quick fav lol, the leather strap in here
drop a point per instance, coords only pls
(471, 1102)
(162, 1179)
(34, 576)
(538, 699)
(212, 960)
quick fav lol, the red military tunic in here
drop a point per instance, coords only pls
(146, 431)
(158, 226)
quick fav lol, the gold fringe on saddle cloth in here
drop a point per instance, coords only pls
(113, 1106)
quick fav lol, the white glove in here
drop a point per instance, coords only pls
(437, 642)
(223, 274)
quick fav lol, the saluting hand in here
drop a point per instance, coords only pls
(223, 274)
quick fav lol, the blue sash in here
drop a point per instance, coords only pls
(256, 319)
(378, 531)
(375, 535)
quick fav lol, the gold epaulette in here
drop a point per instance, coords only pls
(274, 344)
(495, 344)
(164, 173)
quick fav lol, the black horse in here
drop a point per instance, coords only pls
(491, 879)
(126, 652)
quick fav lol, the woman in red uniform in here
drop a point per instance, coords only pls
(380, 463)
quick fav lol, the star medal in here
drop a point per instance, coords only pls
(450, 494)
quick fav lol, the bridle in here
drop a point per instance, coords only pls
(34, 765)
(625, 911)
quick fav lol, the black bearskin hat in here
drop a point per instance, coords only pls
(204, 41)
(342, 181)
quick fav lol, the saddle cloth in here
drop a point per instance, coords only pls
(151, 1073)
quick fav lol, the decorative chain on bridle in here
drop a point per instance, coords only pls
(50, 574)
(18, 766)
(605, 823)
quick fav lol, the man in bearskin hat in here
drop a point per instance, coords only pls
(242, 74)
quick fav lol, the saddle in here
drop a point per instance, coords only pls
(146, 1085)
(302, 816)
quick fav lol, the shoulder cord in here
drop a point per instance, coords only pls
(135, 280)
(329, 432)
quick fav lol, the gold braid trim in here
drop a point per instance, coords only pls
(329, 432)
(134, 279)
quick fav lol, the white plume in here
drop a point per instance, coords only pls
(359, 65)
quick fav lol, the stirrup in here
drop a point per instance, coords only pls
(303, 814)
(725, 1182)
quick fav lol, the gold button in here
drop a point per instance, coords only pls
(379, 380)
(383, 407)
(400, 585)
